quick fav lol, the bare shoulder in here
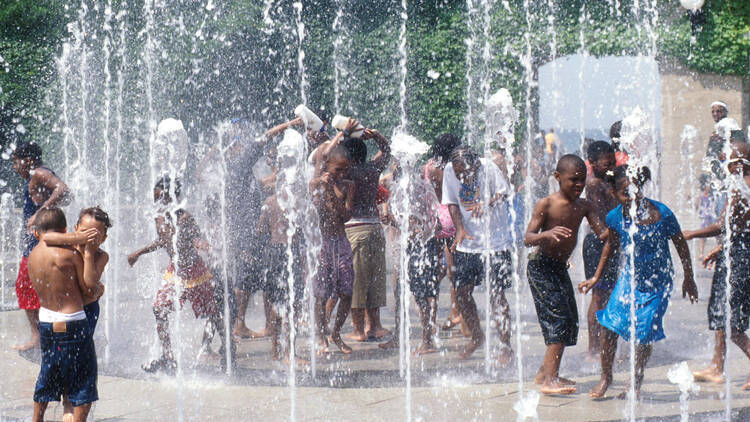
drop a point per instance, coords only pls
(584, 204)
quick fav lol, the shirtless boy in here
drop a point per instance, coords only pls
(63, 280)
(91, 229)
(43, 189)
(553, 229)
(601, 155)
(179, 235)
(333, 196)
(738, 210)
(366, 236)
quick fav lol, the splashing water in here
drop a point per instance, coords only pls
(680, 375)
(526, 406)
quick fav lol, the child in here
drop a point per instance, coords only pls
(738, 210)
(706, 211)
(273, 226)
(63, 281)
(43, 189)
(650, 264)
(196, 281)
(333, 196)
(476, 192)
(553, 228)
(601, 155)
(91, 228)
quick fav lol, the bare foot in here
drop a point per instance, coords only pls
(378, 333)
(598, 391)
(322, 349)
(390, 344)
(626, 392)
(241, 332)
(556, 386)
(746, 385)
(450, 323)
(470, 348)
(33, 344)
(505, 357)
(425, 349)
(355, 336)
(336, 339)
(260, 334)
(297, 361)
(710, 374)
(539, 379)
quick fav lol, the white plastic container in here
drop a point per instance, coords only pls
(312, 121)
(339, 122)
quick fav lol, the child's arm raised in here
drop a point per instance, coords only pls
(383, 157)
(688, 285)
(69, 239)
(278, 129)
(612, 242)
(534, 236)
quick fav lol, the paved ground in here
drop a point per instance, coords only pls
(367, 386)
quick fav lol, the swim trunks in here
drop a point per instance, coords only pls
(424, 268)
(335, 269)
(27, 297)
(277, 274)
(592, 253)
(739, 281)
(68, 363)
(198, 289)
(92, 314)
(470, 270)
(717, 304)
(554, 300)
(368, 251)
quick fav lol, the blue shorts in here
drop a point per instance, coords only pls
(92, 314)
(68, 364)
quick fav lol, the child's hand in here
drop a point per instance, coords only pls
(587, 285)
(688, 234)
(689, 289)
(712, 258)
(90, 235)
(557, 233)
(476, 209)
(461, 235)
(351, 125)
(132, 259)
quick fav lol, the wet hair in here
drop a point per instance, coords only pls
(28, 151)
(357, 149)
(737, 136)
(444, 146)
(570, 161)
(338, 151)
(615, 129)
(97, 214)
(639, 179)
(466, 155)
(597, 149)
(49, 219)
(165, 183)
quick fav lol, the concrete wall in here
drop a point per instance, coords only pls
(685, 100)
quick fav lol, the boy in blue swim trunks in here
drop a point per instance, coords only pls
(63, 278)
(651, 267)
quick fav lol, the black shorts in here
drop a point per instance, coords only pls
(717, 301)
(739, 284)
(276, 274)
(424, 268)
(470, 270)
(68, 363)
(592, 253)
(554, 300)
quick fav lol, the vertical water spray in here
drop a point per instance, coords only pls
(582, 20)
(83, 71)
(470, 42)
(337, 65)
(301, 53)
(107, 45)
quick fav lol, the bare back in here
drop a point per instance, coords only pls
(273, 222)
(56, 272)
(366, 178)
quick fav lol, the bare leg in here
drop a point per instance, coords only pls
(275, 333)
(427, 346)
(501, 320)
(330, 306)
(551, 383)
(372, 316)
(715, 372)
(608, 351)
(468, 309)
(595, 330)
(267, 311)
(240, 328)
(358, 318)
(39, 409)
(320, 325)
(162, 330)
(642, 355)
(741, 340)
(80, 413)
(454, 317)
(67, 409)
(33, 316)
(393, 342)
(345, 302)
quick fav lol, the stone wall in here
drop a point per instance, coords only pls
(685, 100)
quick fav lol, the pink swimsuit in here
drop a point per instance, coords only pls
(448, 230)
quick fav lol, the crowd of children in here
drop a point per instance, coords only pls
(458, 226)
